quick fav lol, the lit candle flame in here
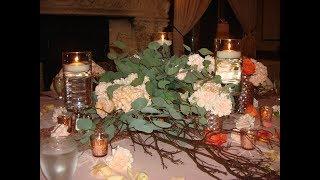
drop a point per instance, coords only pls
(229, 46)
(162, 37)
(76, 59)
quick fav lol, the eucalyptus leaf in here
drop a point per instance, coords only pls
(203, 121)
(162, 83)
(139, 103)
(110, 130)
(153, 45)
(144, 128)
(159, 102)
(137, 122)
(111, 89)
(174, 113)
(119, 44)
(194, 109)
(205, 51)
(206, 63)
(217, 79)
(190, 78)
(187, 47)
(161, 124)
(201, 111)
(150, 110)
(112, 55)
(185, 109)
(172, 70)
(84, 124)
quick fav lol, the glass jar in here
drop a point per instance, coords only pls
(77, 75)
(214, 123)
(99, 144)
(248, 139)
(228, 60)
(266, 116)
(245, 97)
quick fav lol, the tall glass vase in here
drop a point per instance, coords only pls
(246, 94)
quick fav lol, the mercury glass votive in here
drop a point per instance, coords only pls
(228, 60)
(214, 122)
(248, 139)
(266, 116)
(99, 144)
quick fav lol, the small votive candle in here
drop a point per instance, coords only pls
(247, 139)
(266, 116)
(99, 144)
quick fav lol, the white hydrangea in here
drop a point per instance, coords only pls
(125, 95)
(181, 74)
(121, 160)
(276, 108)
(260, 75)
(245, 121)
(209, 96)
(211, 67)
(101, 89)
(60, 130)
(126, 81)
(104, 106)
(196, 60)
(57, 112)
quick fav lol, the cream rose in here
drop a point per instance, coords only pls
(104, 106)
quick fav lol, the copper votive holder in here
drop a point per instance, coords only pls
(99, 144)
(215, 123)
(68, 121)
(266, 116)
(248, 139)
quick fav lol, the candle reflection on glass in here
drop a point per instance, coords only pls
(99, 144)
(266, 116)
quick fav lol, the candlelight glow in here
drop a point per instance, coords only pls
(76, 59)
(229, 46)
(162, 37)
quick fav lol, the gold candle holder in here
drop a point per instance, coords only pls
(99, 144)
(248, 139)
(266, 116)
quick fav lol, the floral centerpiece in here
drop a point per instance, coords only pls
(157, 98)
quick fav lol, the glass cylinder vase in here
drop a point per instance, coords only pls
(77, 74)
(246, 94)
(228, 60)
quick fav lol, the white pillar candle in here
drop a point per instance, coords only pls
(228, 54)
(76, 67)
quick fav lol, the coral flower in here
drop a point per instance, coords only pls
(251, 110)
(248, 67)
(216, 139)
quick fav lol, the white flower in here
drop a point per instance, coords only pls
(125, 95)
(260, 75)
(276, 108)
(120, 160)
(60, 130)
(101, 89)
(181, 74)
(104, 106)
(211, 67)
(126, 81)
(209, 96)
(196, 60)
(184, 96)
(57, 112)
(245, 122)
(255, 103)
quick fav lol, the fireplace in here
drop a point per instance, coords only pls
(94, 24)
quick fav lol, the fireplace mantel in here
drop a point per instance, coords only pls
(149, 16)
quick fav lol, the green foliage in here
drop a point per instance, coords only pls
(150, 110)
(161, 124)
(154, 45)
(159, 102)
(190, 78)
(120, 44)
(162, 83)
(110, 130)
(112, 55)
(217, 79)
(203, 121)
(185, 109)
(175, 114)
(111, 89)
(187, 47)
(205, 51)
(201, 111)
(206, 63)
(84, 124)
(139, 103)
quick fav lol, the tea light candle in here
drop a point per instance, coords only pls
(77, 66)
(228, 54)
(162, 41)
(99, 145)
(266, 115)
(247, 139)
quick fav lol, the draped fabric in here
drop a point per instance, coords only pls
(246, 12)
(186, 15)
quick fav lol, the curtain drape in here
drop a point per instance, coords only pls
(186, 15)
(246, 12)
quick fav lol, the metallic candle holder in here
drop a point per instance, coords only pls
(248, 139)
(99, 144)
(266, 116)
